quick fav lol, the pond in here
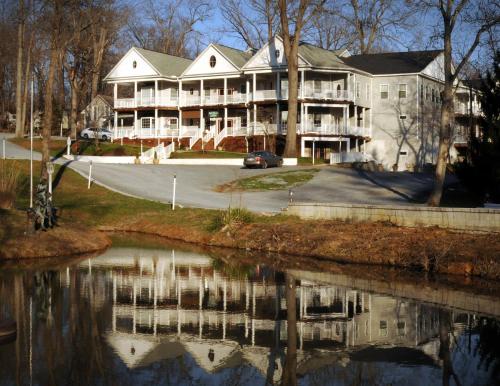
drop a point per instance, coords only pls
(164, 315)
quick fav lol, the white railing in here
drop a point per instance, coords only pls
(218, 137)
(146, 132)
(123, 132)
(261, 95)
(239, 131)
(124, 103)
(168, 131)
(190, 100)
(189, 131)
(213, 99)
(195, 138)
(237, 98)
(341, 95)
(333, 129)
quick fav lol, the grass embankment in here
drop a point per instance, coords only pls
(189, 154)
(82, 147)
(274, 181)
(430, 249)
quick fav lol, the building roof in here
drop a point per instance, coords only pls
(237, 57)
(166, 65)
(393, 62)
(319, 57)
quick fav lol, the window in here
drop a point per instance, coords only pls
(277, 53)
(402, 91)
(221, 91)
(358, 90)
(213, 61)
(317, 86)
(384, 91)
(134, 64)
(401, 328)
(317, 119)
(383, 328)
(432, 95)
(243, 89)
(427, 94)
(402, 117)
(422, 92)
(339, 91)
(191, 91)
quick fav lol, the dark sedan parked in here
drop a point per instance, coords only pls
(262, 159)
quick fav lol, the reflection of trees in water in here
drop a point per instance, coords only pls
(488, 346)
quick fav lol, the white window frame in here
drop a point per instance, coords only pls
(386, 85)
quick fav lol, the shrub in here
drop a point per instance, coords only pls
(230, 218)
(9, 183)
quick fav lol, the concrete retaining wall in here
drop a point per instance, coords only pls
(464, 219)
(175, 161)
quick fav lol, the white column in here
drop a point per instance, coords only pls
(181, 95)
(225, 91)
(180, 122)
(115, 93)
(278, 86)
(254, 85)
(248, 120)
(116, 123)
(136, 124)
(157, 99)
(202, 120)
(303, 84)
(247, 89)
(136, 97)
(202, 92)
(225, 118)
(157, 126)
(254, 115)
(306, 120)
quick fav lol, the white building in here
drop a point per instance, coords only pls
(378, 106)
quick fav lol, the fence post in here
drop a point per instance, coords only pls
(90, 174)
(173, 192)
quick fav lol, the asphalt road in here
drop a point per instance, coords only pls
(195, 184)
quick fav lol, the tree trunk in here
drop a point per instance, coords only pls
(75, 93)
(293, 90)
(19, 71)
(26, 81)
(447, 119)
(47, 118)
(290, 370)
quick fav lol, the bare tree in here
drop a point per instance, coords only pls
(19, 71)
(171, 28)
(298, 16)
(373, 24)
(479, 17)
(254, 22)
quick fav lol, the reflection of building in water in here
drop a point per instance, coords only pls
(167, 304)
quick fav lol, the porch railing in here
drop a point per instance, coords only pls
(124, 103)
(261, 95)
(237, 98)
(218, 137)
(341, 95)
(190, 100)
(195, 138)
(213, 99)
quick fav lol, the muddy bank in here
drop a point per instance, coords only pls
(18, 241)
(425, 250)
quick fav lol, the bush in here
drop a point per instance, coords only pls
(9, 183)
(231, 217)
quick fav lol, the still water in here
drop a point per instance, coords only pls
(151, 316)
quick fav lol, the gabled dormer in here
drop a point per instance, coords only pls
(217, 59)
(271, 56)
(140, 64)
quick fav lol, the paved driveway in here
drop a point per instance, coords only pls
(195, 184)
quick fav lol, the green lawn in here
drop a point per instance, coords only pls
(274, 181)
(82, 147)
(206, 154)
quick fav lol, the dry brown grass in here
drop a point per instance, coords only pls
(10, 175)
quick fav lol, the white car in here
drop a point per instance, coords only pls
(103, 134)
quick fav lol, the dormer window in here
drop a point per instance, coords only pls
(277, 53)
(213, 61)
(134, 64)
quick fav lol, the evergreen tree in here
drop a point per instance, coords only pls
(482, 175)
